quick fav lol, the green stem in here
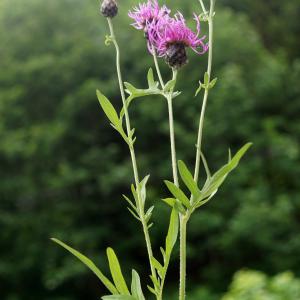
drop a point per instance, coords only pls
(172, 133)
(157, 68)
(132, 151)
(182, 283)
(205, 97)
(203, 6)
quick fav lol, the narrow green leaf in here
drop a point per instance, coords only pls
(136, 289)
(130, 202)
(179, 207)
(108, 109)
(170, 85)
(143, 188)
(151, 290)
(108, 284)
(172, 232)
(135, 195)
(149, 214)
(135, 215)
(163, 253)
(178, 193)
(157, 265)
(213, 83)
(188, 179)
(155, 282)
(218, 178)
(151, 82)
(208, 173)
(198, 89)
(118, 297)
(116, 272)
(206, 78)
(170, 201)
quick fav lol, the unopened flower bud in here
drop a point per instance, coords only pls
(109, 8)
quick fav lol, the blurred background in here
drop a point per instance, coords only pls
(63, 168)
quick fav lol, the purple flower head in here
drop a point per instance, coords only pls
(148, 13)
(175, 31)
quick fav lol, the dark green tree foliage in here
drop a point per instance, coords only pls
(63, 168)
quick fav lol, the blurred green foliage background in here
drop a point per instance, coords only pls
(63, 169)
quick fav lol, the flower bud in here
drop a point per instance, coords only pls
(109, 8)
(176, 55)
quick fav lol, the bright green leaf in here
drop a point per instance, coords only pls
(118, 297)
(136, 289)
(198, 89)
(116, 272)
(188, 179)
(172, 232)
(218, 178)
(108, 284)
(178, 193)
(212, 83)
(108, 109)
(157, 265)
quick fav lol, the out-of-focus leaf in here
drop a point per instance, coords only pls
(108, 284)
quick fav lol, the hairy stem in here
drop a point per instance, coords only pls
(132, 151)
(205, 97)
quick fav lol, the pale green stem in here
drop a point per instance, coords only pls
(131, 148)
(157, 68)
(205, 97)
(203, 6)
(172, 133)
(182, 282)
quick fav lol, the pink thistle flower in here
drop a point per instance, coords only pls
(147, 17)
(171, 38)
(148, 13)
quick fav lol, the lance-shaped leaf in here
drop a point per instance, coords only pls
(112, 115)
(178, 193)
(116, 272)
(188, 179)
(151, 82)
(118, 297)
(108, 109)
(86, 261)
(172, 232)
(136, 289)
(218, 178)
(142, 186)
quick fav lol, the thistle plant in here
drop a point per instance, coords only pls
(167, 38)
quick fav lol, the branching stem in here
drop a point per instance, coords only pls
(132, 151)
(205, 97)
